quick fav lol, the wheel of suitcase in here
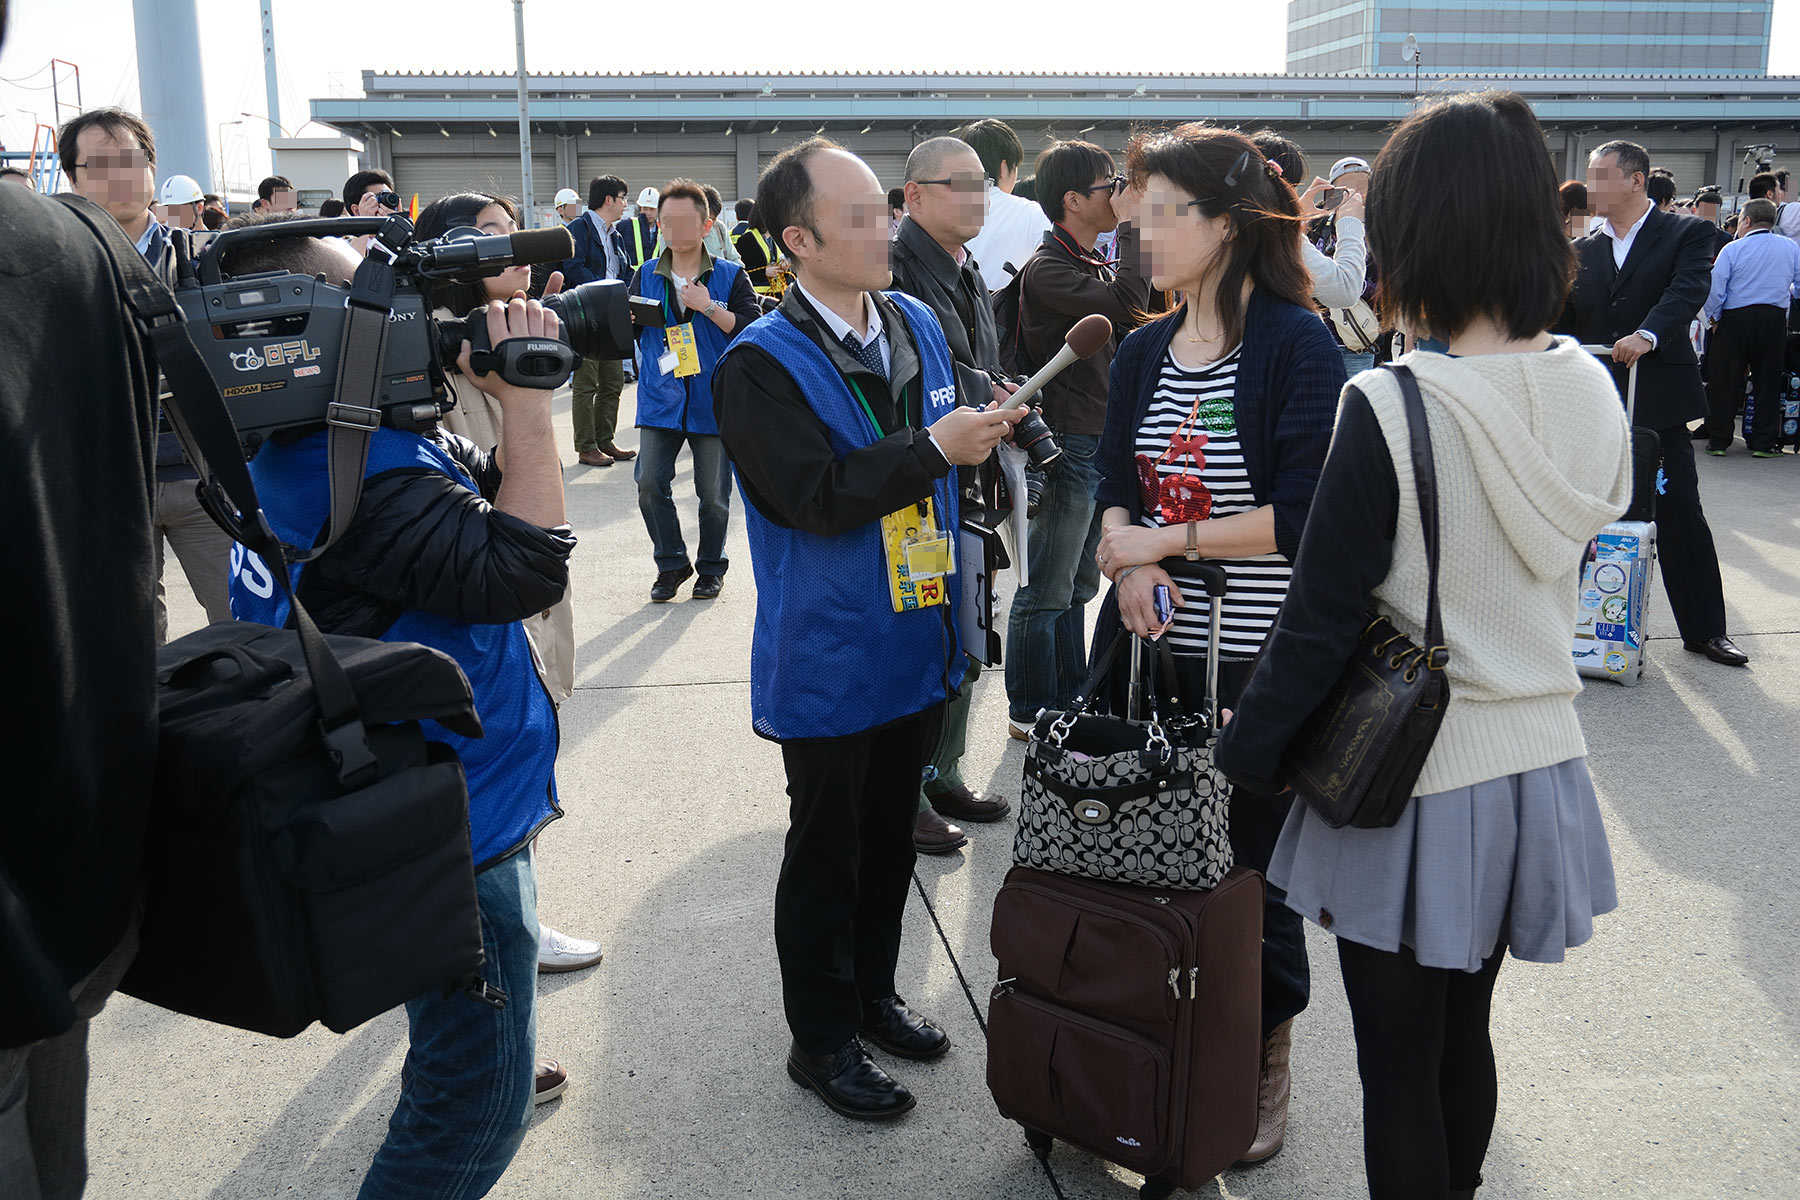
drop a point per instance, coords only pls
(1155, 1188)
(1040, 1143)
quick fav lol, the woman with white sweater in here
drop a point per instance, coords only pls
(1502, 846)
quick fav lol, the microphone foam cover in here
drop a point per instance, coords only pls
(543, 245)
(1089, 335)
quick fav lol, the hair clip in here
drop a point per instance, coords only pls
(1273, 168)
(1237, 170)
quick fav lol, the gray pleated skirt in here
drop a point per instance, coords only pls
(1522, 859)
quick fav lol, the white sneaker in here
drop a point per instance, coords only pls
(558, 952)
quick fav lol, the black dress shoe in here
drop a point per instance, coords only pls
(708, 587)
(893, 1027)
(1720, 650)
(663, 590)
(850, 1083)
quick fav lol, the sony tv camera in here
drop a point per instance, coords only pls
(273, 340)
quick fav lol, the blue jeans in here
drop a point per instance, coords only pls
(1046, 644)
(1355, 363)
(657, 449)
(467, 1088)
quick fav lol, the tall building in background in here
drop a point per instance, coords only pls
(1588, 37)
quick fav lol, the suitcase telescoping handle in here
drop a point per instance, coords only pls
(1212, 581)
(1630, 381)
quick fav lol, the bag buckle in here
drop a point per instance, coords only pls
(353, 416)
(348, 746)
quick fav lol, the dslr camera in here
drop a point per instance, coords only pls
(273, 340)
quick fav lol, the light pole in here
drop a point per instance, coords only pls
(524, 114)
(221, 183)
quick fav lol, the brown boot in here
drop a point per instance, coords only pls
(1272, 1096)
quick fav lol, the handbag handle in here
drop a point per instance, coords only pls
(254, 670)
(1425, 480)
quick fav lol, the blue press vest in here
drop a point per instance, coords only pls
(663, 401)
(830, 657)
(512, 789)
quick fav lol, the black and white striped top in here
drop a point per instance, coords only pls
(1256, 586)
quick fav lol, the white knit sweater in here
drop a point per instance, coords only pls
(1533, 459)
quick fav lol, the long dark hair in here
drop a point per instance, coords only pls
(1224, 170)
(437, 219)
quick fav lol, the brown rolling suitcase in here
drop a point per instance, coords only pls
(1127, 1020)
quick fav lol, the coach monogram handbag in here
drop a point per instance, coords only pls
(1355, 760)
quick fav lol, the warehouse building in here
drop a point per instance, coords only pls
(438, 133)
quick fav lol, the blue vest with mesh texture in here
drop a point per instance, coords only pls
(512, 788)
(830, 657)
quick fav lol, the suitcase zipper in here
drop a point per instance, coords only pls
(1171, 952)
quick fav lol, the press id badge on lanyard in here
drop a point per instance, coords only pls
(917, 549)
(682, 358)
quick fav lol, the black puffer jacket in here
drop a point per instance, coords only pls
(422, 542)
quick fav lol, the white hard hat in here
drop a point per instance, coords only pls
(649, 197)
(180, 189)
(567, 196)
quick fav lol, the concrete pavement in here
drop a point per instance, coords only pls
(1659, 1061)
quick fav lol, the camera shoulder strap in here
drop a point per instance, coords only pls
(208, 434)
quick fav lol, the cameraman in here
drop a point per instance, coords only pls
(446, 550)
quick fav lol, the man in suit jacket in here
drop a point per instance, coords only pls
(1640, 279)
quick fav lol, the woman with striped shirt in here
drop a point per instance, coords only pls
(1218, 419)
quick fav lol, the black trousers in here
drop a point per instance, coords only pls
(1690, 563)
(844, 875)
(1753, 337)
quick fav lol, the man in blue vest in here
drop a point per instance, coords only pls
(840, 413)
(448, 551)
(705, 303)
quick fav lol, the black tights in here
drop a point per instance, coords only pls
(1427, 1067)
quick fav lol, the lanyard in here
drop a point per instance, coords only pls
(869, 412)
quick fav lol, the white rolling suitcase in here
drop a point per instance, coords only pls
(1611, 632)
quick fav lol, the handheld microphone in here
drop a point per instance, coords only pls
(1083, 341)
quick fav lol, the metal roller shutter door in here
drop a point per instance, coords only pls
(1688, 167)
(434, 176)
(890, 169)
(653, 170)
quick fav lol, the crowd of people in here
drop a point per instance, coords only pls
(845, 349)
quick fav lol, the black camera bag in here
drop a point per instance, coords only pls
(308, 855)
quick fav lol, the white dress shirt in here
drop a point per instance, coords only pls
(1621, 250)
(876, 335)
(1012, 229)
(1622, 242)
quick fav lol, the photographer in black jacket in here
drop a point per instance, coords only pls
(944, 209)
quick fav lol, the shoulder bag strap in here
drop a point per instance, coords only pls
(208, 434)
(1425, 478)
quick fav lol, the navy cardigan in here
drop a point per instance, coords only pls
(1289, 378)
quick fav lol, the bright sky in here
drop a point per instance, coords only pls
(324, 46)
